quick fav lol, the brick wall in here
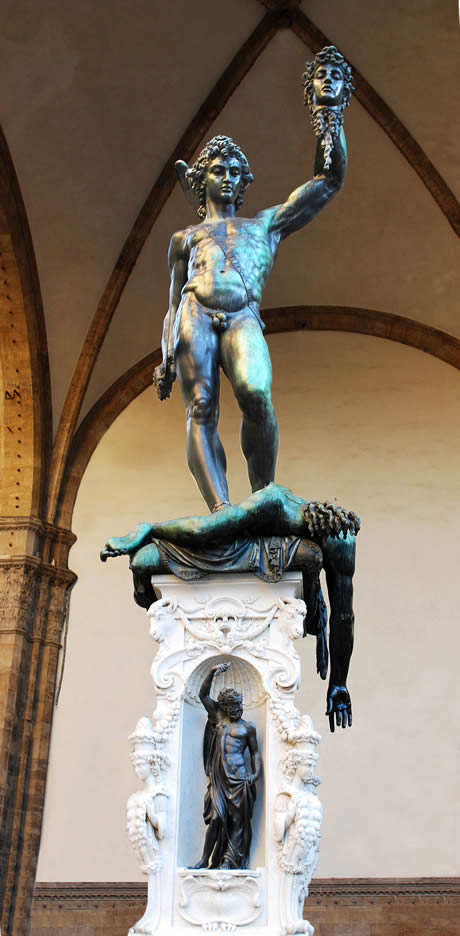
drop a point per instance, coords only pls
(336, 907)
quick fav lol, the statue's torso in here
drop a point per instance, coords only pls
(234, 740)
(229, 262)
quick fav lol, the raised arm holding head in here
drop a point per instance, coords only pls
(211, 705)
(305, 202)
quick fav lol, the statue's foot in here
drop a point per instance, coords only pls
(114, 547)
(201, 864)
(123, 545)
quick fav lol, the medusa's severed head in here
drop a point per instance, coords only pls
(327, 80)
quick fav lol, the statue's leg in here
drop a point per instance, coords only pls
(246, 363)
(260, 514)
(143, 565)
(210, 840)
(197, 364)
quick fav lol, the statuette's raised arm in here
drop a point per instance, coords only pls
(211, 705)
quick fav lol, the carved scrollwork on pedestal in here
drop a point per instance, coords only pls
(220, 899)
(225, 622)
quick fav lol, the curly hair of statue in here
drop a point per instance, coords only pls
(230, 701)
(328, 56)
(196, 175)
(330, 520)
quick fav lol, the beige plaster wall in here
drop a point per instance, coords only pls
(366, 421)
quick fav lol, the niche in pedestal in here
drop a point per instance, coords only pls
(243, 677)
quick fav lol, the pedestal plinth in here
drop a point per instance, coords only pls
(232, 618)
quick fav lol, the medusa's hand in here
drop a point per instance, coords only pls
(338, 705)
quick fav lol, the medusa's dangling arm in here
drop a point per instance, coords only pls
(339, 563)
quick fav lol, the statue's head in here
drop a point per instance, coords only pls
(147, 757)
(301, 762)
(221, 173)
(327, 80)
(231, 703)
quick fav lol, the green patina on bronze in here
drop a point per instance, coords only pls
(219, 269)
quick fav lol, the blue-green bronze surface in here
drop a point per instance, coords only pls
(219, 268)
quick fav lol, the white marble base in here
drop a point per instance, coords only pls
(253, 625)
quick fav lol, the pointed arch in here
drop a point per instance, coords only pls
(26, 396)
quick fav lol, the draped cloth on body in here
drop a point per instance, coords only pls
(267, 557)
(228, 801)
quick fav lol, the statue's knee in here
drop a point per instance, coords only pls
(255, 403)
(202, 409)
(135, 565)
(146, 560)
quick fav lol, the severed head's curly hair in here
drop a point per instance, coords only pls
(328, 56)
(196, 175)
(330, 520)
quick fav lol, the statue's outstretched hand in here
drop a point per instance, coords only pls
(338, 704)
(164, 377)
(222, 668)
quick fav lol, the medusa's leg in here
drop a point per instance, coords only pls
(148, 561)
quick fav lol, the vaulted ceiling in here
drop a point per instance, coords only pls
(98, 99)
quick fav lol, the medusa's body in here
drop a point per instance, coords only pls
(314, 536)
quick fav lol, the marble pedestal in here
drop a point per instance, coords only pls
(239, 619)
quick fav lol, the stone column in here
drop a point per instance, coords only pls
(35, 596)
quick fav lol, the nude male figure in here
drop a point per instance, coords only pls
(231, 792)
(218, 272)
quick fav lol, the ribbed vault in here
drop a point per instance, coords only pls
(281, 16)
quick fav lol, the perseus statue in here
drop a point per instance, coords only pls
(231, 792)
(219, 268)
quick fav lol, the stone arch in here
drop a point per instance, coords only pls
(26, 397)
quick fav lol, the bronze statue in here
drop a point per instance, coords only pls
(219, 268)
(231, 792)
(271, 531)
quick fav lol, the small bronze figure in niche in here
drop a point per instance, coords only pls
(231, 792)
